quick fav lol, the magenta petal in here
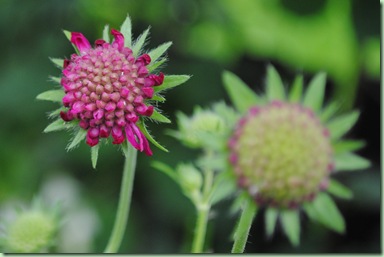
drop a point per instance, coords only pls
(129, 132)
(92, 141)
(80, 42)
(119, 38)
(145, 58)
(147, 149)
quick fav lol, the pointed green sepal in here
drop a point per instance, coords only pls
(342, 124)
(159, 117)
(52, 95)
(271, 215)
(290, 222)
(314, 95)
(106, 33)
(58, 62)
(80, 135)
(58, 124)
(329, 111)
(68, 35)
(143, 129)
(159, 51)
(171, 81)
(350, 162)
(324, 210)
(153, 66)
(94, 155)
(55, 79)
(126, 30)
(240, 94)
(275, 89)
(347, 146)
(158, 98)
(339, 190)
(139, 43)
(296, 92)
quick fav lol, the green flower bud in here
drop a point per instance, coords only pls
(190, 177)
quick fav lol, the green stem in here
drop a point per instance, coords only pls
(242, 230)
(124, 201)
(203, 209)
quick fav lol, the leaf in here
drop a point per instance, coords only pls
(159, 51)
(159, 117)
(106, 33)
(275, 88)
(339, 190)
(149, 137)
(165, 169)
(52, 95)
(349, 161)
(240, 94)
(171, 81)
(153, 66)
(223, 187)
(329, 111)
(58, 62)
(58, 124)
(340, 125)
(68, 35)
(324, 210)
(55, 79)
(158, 98)
(314, 95)
(94, 155)
(139, 43)
(80, 135)
(291, 225)
(126, 30)
(270, 221)
(297, 89)
(347, 146)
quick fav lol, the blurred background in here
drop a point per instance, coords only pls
(297, 36)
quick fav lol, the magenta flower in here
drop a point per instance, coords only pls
(109, 90)
(106, 88)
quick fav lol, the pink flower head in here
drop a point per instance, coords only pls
(106, 89)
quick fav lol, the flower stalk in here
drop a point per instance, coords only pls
(124, 201)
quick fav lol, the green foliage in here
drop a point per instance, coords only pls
(339, 190)
(159, 117)
(52, 95)
(290, 222)
(241, 95)
(139, 43)
(275, 88)
(126, 30)
(271, 215)
(171, 81)
(347, 146)
(58, 62)
(58, 124)
(297, 90)
(342, 124)
(350, 162)
(79, 136)
(106, 34)
(314, 95)
(143, 129)
(94, 155)
(159, 51)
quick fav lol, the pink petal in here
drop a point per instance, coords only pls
(80, 42)
(119, 39)
(145, 58)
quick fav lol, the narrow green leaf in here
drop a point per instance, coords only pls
(106, 33)
(153, 66)
(165, 169)
(290, 222)
(349, 161)
(324, 210)
(58, 62)
(340, 125)
(339, 190)
(314, 95)
(126, 30)
(52, 95)
(94, 155)
(297, 89)
(67, 34)
(159, 117)
(143, 129)
(158, 98)
(80, 135)
(223, 187)
(275, 89)
(171, 81)
(139, 43)
(347, 146)
(240, 94)
(55, 113)
(270, 221)
(55, 79)
(159, 51)
(329, 111)
(58, 124)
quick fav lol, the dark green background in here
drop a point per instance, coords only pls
(209, 36)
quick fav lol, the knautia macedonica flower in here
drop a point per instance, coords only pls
(108, 89)
(31, 231)
(285, 147)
